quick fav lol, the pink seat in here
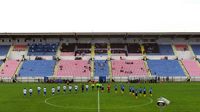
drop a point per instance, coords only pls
(192, 67)
(181, 47)
(19, 48)
(9, 68)
(74, 68)
(67, 54)
(128, 68)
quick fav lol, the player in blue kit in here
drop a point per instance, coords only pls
(150, 91)
(115, 88)
(82, 87)
(144, 92)
(130, 90)
(122, 89)
(140, 91)
(133, 91)
(136, 93)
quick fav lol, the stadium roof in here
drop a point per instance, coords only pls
(102, 34)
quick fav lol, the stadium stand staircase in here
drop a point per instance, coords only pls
(2, 65)
(190, 49)
(184, 69)
(14, 54)
(109, 62)
(143, 52)
(19, 67)
(58, 50)
(56, 65)
(182, 51)
(147, 68)
(9, 52)
(92, 61)
(174, 49)
(55, 71)
(142, 49)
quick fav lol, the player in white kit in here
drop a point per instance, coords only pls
(76, 88)
(70, 88)
(30, 91)
(24, 91)
(64, 89)
(86, 87)
(53, 91)
(45, 91)
(58, 89)
(38, 88)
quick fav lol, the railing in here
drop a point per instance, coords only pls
(114, 78)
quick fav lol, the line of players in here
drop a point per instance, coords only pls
(141, 91)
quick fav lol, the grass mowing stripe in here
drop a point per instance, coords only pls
(98, 102)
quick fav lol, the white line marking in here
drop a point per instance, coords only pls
(79, 108)
(98, 102)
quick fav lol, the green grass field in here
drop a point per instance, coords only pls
(184, 97)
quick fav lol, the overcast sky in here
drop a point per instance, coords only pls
(99, 15)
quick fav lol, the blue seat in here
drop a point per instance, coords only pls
(196, 49)
(164, 50)
(40, 49)
(165, 68)
(41, 68)
(4, 50)
(101, 68)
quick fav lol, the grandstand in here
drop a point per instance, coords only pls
(101, 67)
(37, 68)
(87, 56)
(74, 68)
(165, 68)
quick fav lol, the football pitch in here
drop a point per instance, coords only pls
(184, 97)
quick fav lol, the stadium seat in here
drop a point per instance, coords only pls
(19, 48)
(134, 48)
(160, 50)
(67, 54)
(67, 47)
(196, 49)
(192, 67)
(34, 68)
(101, 68)
(166, 50)
(128, 68)
(9, 68)
(181, 47)
(151, 48)
(165, 68)
(4, 50)
(42, 49)
(74, 68)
